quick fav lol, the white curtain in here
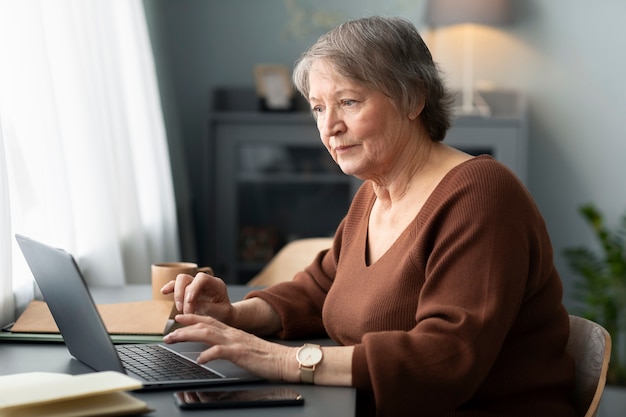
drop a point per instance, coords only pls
(83, 153)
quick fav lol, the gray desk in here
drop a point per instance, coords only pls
(54, 357)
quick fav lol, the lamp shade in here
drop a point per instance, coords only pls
(451, 12)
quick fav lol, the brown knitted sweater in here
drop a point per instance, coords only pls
(463, 314)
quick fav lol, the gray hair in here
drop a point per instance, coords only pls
(388, 55)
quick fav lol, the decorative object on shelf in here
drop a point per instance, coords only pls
(469, 12)
(274, 88)
(602, 291)
(257, 244)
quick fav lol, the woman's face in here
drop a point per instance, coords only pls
(362, 129)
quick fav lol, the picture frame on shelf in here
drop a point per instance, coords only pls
(273, 87)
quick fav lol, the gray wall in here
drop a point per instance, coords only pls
(566, 55)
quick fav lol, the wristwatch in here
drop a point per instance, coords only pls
(308, 356)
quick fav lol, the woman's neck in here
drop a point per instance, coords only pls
(412, 165)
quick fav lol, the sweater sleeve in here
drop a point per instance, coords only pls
(299, 302)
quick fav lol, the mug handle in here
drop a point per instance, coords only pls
(206, 270)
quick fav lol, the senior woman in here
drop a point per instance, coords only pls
(439, 288)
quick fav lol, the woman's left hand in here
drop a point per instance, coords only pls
(269, 360)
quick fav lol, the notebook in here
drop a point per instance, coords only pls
(64, 289)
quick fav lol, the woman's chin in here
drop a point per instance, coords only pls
(352, 172)
(347, 169)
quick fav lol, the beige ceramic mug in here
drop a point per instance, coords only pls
(163, 273)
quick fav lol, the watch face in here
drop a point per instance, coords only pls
(309, 355)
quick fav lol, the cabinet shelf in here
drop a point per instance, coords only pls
(294, 178)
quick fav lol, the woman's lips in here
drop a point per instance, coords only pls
(343, 148)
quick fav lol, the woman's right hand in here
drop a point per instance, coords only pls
(203, 294)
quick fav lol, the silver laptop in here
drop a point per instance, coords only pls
(156, 365)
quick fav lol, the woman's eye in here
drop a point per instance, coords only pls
(349, 103)
(316, 111)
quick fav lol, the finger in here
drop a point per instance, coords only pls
(187, 319)
(180, 285)
(168, 288)
(191, 319)
(191, 293)
(213, 353)
(198, 332)
(203, 288)
(198, 328)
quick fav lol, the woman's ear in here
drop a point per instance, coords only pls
(418, 110)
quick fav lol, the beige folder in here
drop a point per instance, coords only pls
(138, 318)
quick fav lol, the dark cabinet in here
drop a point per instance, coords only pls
(275, 182)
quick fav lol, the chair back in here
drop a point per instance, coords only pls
(590, 346)
(292, 258)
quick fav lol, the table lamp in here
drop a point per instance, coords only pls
(484, 12)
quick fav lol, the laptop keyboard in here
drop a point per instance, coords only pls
(154, 363)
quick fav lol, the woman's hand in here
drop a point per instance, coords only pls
(266, 359)
(203, 294)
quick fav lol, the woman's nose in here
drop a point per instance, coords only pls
(330, 124)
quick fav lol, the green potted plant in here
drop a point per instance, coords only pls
(601, 290)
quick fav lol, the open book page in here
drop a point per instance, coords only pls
(113, 404)
(56, 394)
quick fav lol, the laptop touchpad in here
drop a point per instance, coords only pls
(221, 366)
